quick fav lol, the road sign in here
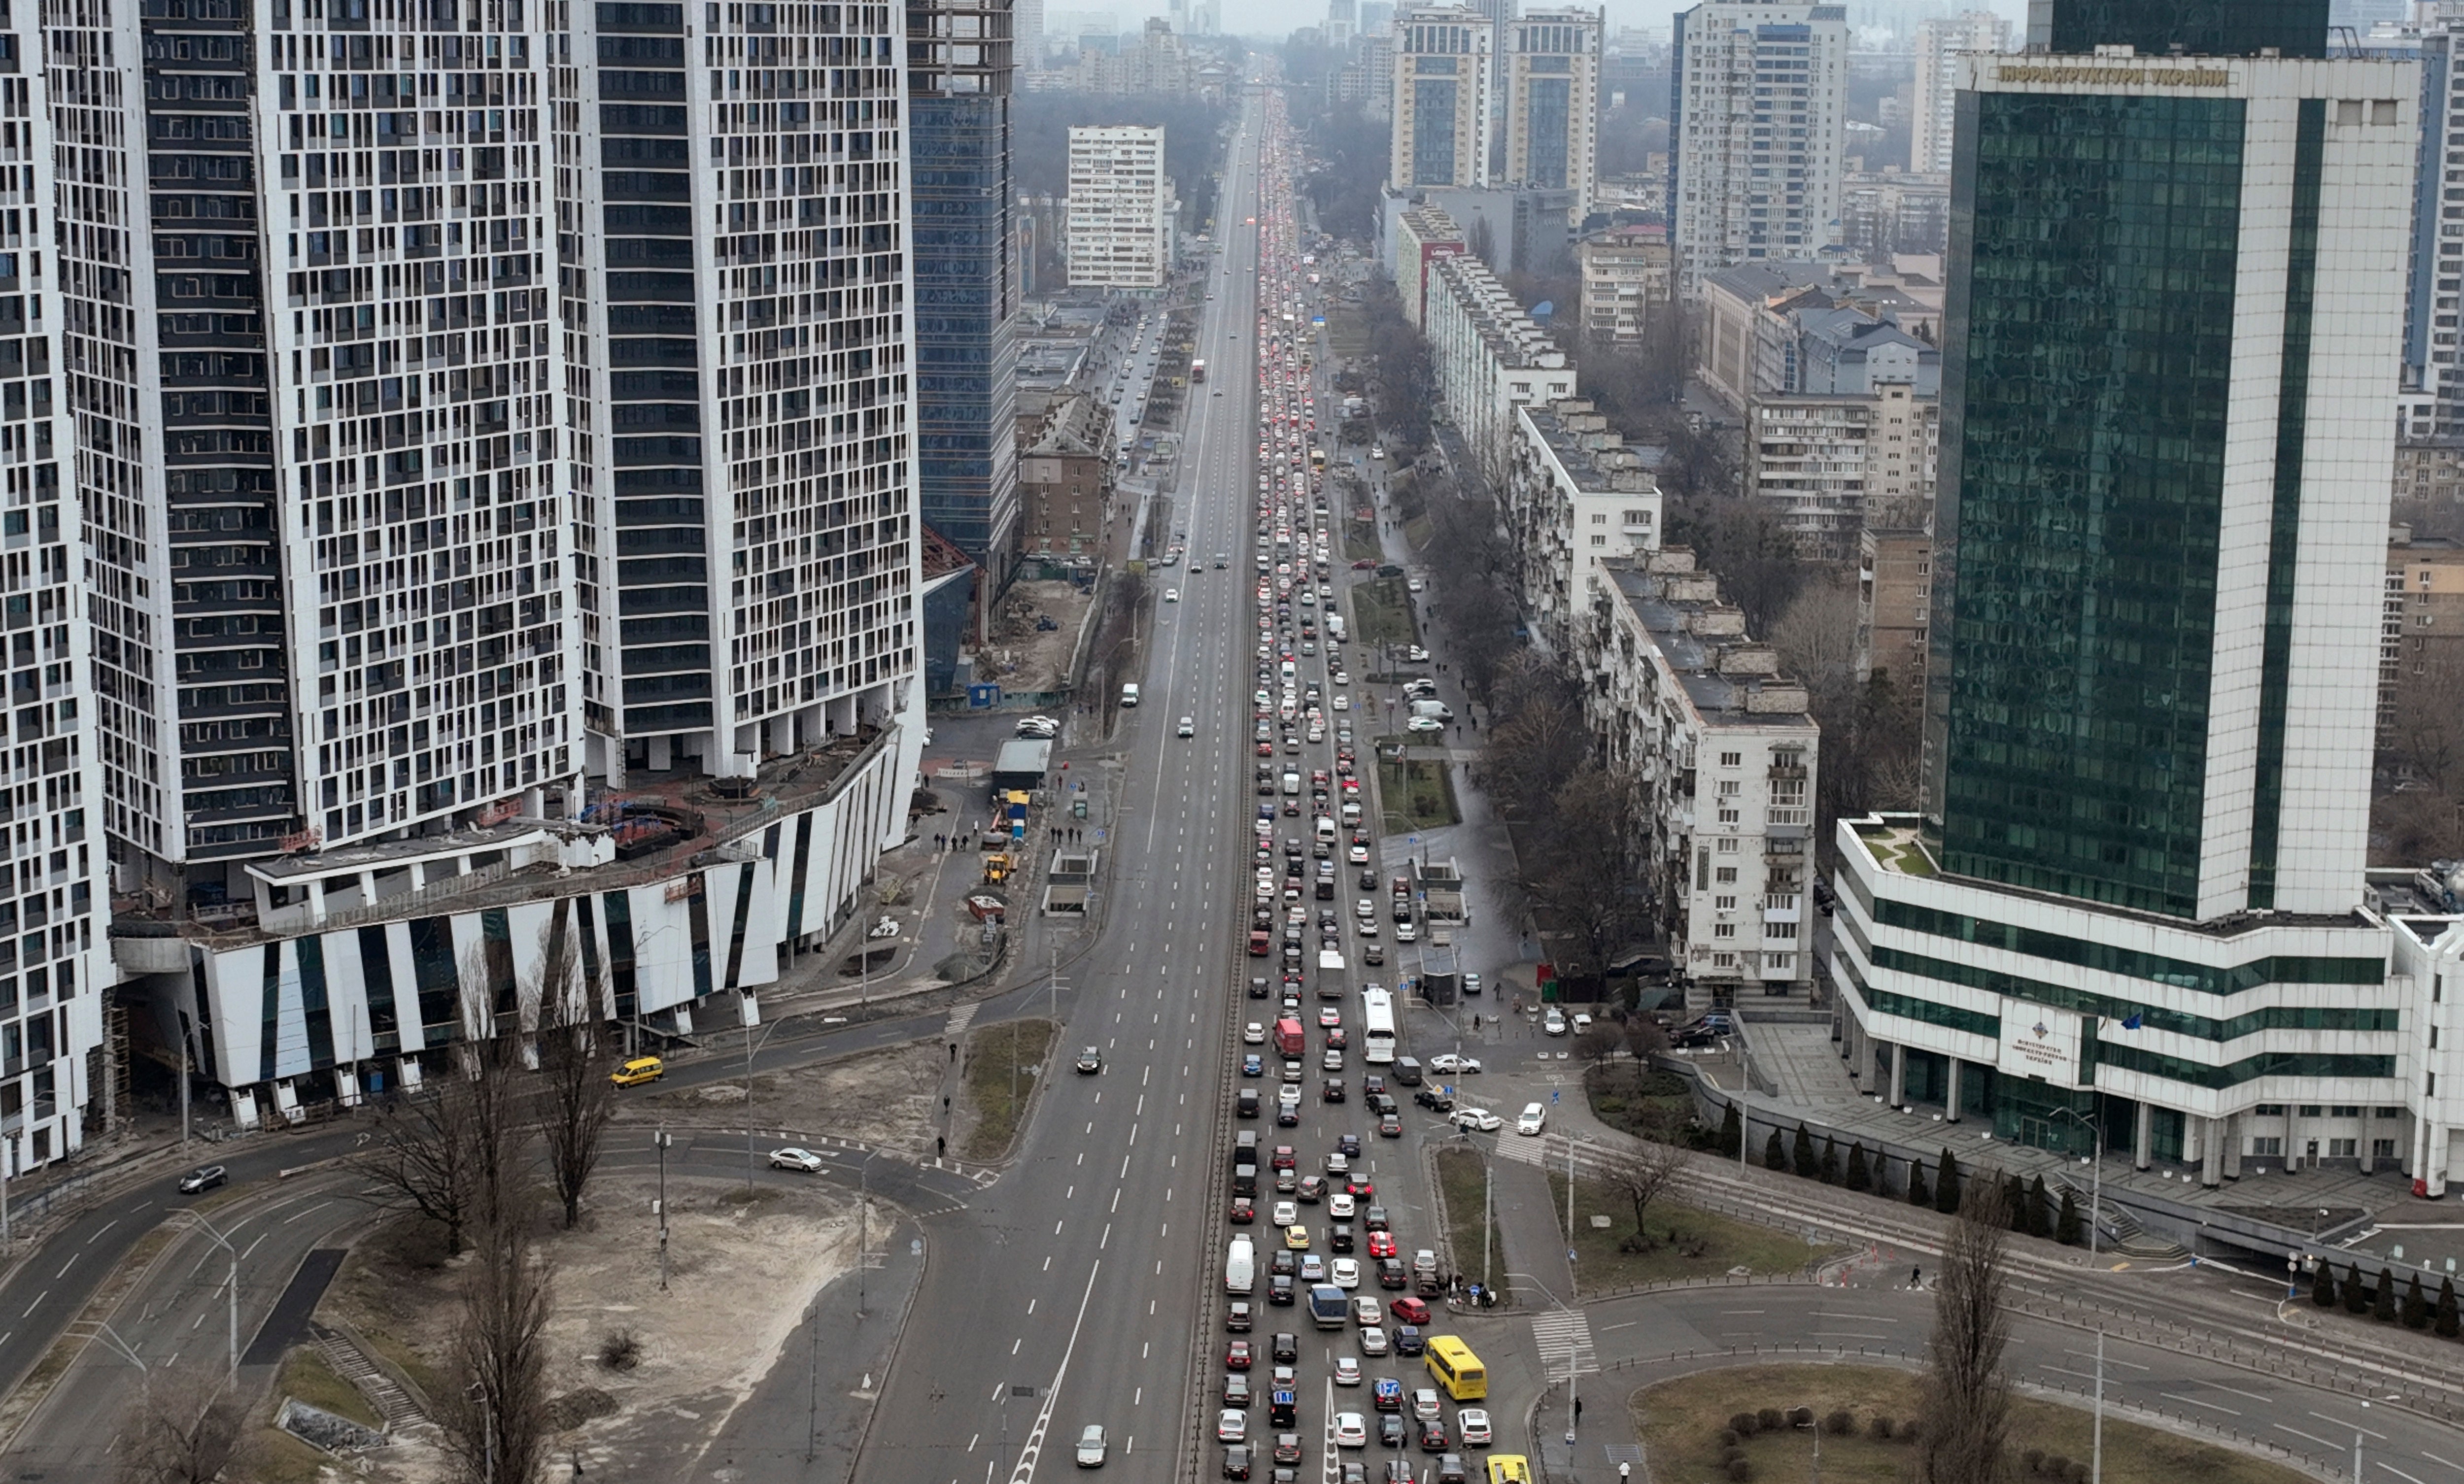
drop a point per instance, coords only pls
(1553, 1096)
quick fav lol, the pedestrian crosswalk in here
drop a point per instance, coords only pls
(1565, 1341)
(1522, 1149)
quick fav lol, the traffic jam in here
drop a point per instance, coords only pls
(1309, 1249)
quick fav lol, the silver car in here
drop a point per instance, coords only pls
(1092, 1444)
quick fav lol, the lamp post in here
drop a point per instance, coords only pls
(1573, 1404)
(2096, 1171)
(232, 1285)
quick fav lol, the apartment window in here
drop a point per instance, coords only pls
(2272, 1145)
(1779, 930)
(2270, 1110)
(1726, 848)
(1725, 903)
(1600, 518)
(1779, 961)
(1600, 540)
(2344, 1149)
(2390, 1112)
(1724, 960)
(1638, 517)
(2383, 1148)
(2346, 1110)
(1728, 816)
(1729, 788)
(1731, 760)
(1725, 875)
(2310, 1110)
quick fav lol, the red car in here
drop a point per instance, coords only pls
(1409, 1311)
(1382, 1244)
(1359, 1184)
(1235, 1355)
(1244, 1211)
(1364, 564)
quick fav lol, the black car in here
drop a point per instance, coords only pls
(1287, 1349)
(204, 1179)
(1390, 1430)
(1288, 1447)
(1433, 1435)
(1435, 1100)
(1333, 1091)
(1390, 1273)
(1409, 1341)
(1247, 1104)
(1236, 1462)
(1287, 1115)
(1374, 1219)
(1348, 1145)
(1279, 1290)
(1258, 987)
(1338, 1238)
(1285, 1261)
(1369, 881)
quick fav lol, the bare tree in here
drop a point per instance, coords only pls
(496, 1423)
(577, 1100)
(1538, 741)
(183, 1428)
(1581, 871)
(2424, 730)
(451, 1151)
(1966, 1393)
(1649, 1171)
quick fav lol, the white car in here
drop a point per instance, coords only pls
(1425, 1406)
(1372, 1340)
(1340, 1205)
(1477, 1121)
(1287, 1214)
(1351, 1428)
(805, 1160)
(1415, 585)
(1347, 1370)
(1253, 1034)
(1581, 1022)
(1471, 1423)
(1344, 1273)
(1448, 1062)
(1553, 1022)
(1338, 1163)
(1532, 1117)
(1091, 1444)
(1230, 1426)
(1043, 728)
(1342, 701)
(1341, 677)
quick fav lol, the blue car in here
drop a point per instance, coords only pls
(1253, 1065)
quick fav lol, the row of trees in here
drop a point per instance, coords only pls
(2415, 1310)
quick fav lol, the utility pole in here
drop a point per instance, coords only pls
(2096, 1454)
(864, 1229)
(661, 1139)
(813, 1383)
(183, 1092)
(1487, 1220)
(232, 1323)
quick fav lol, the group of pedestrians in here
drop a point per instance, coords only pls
(946, 843)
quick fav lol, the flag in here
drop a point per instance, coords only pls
(2134, 1020)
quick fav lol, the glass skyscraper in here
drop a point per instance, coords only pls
(960, 69)
(2134, 899)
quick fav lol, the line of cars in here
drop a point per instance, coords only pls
(1308, 1245)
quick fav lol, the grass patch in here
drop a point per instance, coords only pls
(277, 1457)
(306, 1378)
(1360, 542)
(1379, 613)
(1460, 1177)
(1681, 1422)
(1417, 532)
(1003, 1063)
(1415, 795)
(1706, 1244)
(1634, 1101)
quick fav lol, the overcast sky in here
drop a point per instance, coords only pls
(1279, 18)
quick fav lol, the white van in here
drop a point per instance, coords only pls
(1241, 1266)
(1325, 827)
(1437, 708)
(1292, 785)
(1334, 629)
(1129, 694)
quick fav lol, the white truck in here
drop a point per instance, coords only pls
(1241, 1266)
(1437, 708)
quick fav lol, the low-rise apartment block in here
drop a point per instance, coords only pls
(1576, 496)
(1894, 608)
(1720, 755)
(1489, 358)
(2421, 632)
(1422, 235)
(1120, 209)
(1065, 476)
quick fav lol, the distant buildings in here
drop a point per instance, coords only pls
(1120, 209)
(961, 66)
(1795, 326)
(1629, 276)
(1719, 756)
(1442, 77)
(2421, 633)
(1894, 608)
(1551, 71)
(1758, 116)
(1887, 211)
(1422, 235)
(1941, 44)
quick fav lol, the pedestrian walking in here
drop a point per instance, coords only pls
(1916, 1278)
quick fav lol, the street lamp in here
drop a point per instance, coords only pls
(1574, 1405)
(232, 1284)
(2095, 1174)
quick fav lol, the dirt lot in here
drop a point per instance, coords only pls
(887, 1099)
(1021, 657)
(741, 1270)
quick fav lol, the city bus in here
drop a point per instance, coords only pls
(1453, 1367)
(1376, 1025)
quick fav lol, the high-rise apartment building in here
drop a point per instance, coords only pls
(1120, 209)
(1442, 98)
(54, 882)
(316, 394)
(1940, 43)
(959, 76)
(1552, 67)
(2133, 909)
(738, 294)
(1758, 124)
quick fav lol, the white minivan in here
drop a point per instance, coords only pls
(1129, 694)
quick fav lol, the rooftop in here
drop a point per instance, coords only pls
(1731, 680)
(1594, 457)
(1515, 339)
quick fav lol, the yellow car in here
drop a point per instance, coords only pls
(639, 1070)
(1296, 1237)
